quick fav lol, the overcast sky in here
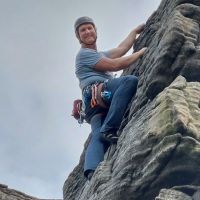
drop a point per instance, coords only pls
(40, 143)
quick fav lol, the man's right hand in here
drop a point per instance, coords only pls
(142, 50)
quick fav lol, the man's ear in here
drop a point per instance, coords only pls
(78, 37)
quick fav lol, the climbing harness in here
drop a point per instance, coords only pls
(99, 97)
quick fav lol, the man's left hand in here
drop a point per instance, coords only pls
(139, 28)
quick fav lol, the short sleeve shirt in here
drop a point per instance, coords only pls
(86, 60)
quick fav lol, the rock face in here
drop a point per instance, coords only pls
(157, 156)
(10, 194)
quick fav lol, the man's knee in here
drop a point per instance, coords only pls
(132, 80)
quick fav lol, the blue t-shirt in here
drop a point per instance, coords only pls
(86, 60)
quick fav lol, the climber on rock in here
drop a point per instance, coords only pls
(105, 98)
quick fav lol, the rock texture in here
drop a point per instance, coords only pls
(10, 194)
(158, 152)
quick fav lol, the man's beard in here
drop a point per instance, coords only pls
(91, 43)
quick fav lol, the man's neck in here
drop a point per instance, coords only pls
(89, 46)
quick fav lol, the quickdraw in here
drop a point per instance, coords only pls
(97, 95)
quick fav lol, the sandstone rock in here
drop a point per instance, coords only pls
(11, 194)
(158, 152)
(185, 192)
(172, 195)
(172, 38)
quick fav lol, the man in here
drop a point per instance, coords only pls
(93, 69)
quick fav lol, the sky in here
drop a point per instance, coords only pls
(40, 143)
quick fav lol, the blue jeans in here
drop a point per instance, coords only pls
(122, 90)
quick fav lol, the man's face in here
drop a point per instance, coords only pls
(87, 34)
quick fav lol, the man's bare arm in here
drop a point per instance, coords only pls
(116, 64)
(127, 43)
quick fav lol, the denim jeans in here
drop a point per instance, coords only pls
(122, 90)
(96, 148)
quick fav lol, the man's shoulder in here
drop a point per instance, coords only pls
(86, 53)
(83, 52)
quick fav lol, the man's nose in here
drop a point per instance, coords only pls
(87, 30)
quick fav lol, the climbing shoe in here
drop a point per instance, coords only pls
(90, 174)
(109, 137)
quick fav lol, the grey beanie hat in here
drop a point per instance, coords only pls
(83, 20)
